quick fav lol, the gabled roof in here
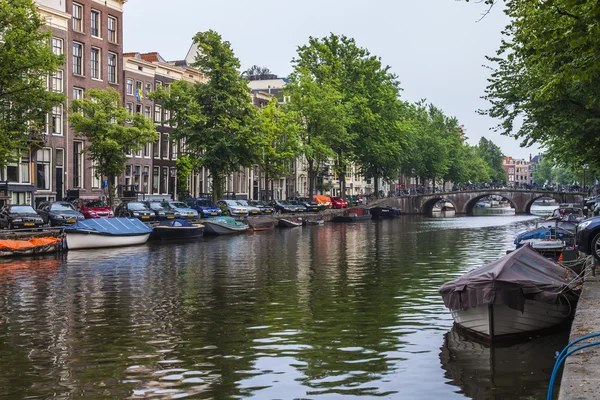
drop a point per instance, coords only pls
(152, 57)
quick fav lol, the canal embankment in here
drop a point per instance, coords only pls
(581, 374)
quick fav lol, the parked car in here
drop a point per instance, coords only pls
(300, 207)
(232, 207)
(19, 216)
(93, 208)
(59, 213)
(135, 209)
(284, 207)
(264, 207)
(161, 212)
(205, 207)
(338, 202)
(181, 209)
(588, 237)
(311, 206)
(352, 201)
(252, 210)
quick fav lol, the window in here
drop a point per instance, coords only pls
(56, 120)
(130, 108)
(129, 87)
(95, 178)
(43, 169)
(174, 149)
(77, 93)
(77, 164)
(156, 150)
(57, 81)
(57, 46)
(148, 88)
(12, 172)
(158, 84)
(77, 17)
(145, 178)
(77, 58)
(138, 108)
(147, 150)
(164, 146)
(112, 68)
(95, 25)
(95, 63)
(25, 172)
(157, 114)
(164, 180)
(112, 29)
(148, 112)
(155, 179)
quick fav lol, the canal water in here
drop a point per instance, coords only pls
(319, 312)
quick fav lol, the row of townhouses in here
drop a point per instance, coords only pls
(89, 33)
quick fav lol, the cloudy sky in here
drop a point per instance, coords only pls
(436, 47)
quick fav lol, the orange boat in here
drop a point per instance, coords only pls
(33, 246)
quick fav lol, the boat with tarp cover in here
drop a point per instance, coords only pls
(174, 229)
(520, 293)
(106, 232)
(32, 246)
(223, 226)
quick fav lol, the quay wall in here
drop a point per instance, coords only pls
(581, 374)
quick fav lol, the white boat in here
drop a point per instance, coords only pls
(520, 293)
(223, 226)
(106, 232)
(290, 222)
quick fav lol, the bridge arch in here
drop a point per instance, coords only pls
(472, 202)
(427, 207)
(540, 196)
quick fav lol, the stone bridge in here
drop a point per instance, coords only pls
(464, 201)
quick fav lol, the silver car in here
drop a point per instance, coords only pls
(251, 209)
(233, 208)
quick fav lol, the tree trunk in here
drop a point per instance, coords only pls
(217, 183)
(111, 190)
(311, 178)
(376, 185)
(267, 185)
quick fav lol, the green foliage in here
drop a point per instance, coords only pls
(493, 157)
(216, 119)
(26, 61)
(543, 171)
(350, 104)
(110, 131)
(278, 141)
(185, 166)
(548, 74)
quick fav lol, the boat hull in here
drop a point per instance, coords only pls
(286, 223)
(500, 321)
(384, 212)
(213, 228)
(352, 218)
(91, 240)
(179, 232)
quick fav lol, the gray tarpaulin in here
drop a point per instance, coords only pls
(522, 274)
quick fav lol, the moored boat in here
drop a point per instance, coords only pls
(106, 232)
(384, 212)
(315, 222)
(223, 226)
(177, 229)
(33, 246)
(290, 222)
(354, 215)
(517, 294)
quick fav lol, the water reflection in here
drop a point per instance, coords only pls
(314, 312)
(487, 373)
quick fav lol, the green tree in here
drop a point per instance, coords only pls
(543, 171)
(26, 61)
(493, 157)
(185, 166)
(548, 74)
(278, 142)
(216, 119)
(111, 132)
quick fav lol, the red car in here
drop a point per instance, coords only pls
(93, 208)
(338, 202)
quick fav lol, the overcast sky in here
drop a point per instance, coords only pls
(436, 47)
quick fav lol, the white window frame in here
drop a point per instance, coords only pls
(81, 59)
(97, 22)
(57, 46)
(48, 163)
(56, 84)
(148, 112)
(114, 68)
(129, 87)
(56, 114)
(77, 93)
(96, 73)
(77, 17)
(113, 36)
